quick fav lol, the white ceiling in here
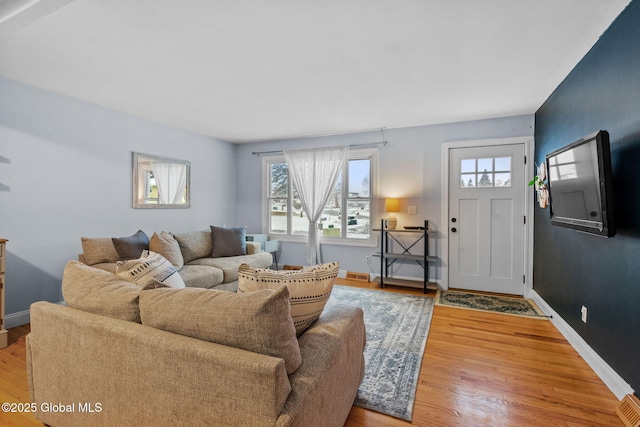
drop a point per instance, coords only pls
(249, 70)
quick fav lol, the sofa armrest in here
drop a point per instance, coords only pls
(144, 376)
(325, 385)
(253, 248)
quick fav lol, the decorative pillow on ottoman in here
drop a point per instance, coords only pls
(152, 270)
(309, 288)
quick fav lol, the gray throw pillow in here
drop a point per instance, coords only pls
(228, 241)
(131, 247)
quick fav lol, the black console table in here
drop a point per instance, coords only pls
(388, 257)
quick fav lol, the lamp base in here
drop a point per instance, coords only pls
(391, 222)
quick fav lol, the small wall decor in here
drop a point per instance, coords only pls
(160, 182)
(541, 186)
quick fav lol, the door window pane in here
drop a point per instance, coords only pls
(468, 165)
(468, 180)
(503, 179)
(486, 172)
(485, 179)
(485, 165)
(503, 164)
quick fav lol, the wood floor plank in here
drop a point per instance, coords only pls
(490, 369)
(479, 369)
(13, 379)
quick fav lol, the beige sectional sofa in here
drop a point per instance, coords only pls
(191, 256)
(119, 355)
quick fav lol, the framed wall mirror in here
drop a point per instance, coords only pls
(160, 182)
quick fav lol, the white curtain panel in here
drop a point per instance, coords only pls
(171, 179)
(314, 173)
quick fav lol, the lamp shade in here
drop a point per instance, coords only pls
(392, 205)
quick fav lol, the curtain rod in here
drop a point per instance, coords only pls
(370, 144)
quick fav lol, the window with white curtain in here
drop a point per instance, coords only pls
(347, 215)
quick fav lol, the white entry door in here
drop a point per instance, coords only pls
(486, 218)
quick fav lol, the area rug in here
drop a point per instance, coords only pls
(483, 302)
(397, 328)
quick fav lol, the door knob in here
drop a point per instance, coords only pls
(453, 230)
(453, 220)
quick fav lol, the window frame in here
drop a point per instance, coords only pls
(354, 154)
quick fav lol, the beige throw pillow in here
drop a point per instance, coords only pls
(194, 245)
(309, 288)
(167, 246)
(98, 250)
(258, 321)
(149, 271)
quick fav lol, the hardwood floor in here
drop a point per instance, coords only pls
(13, 379)
(479, 369)
(486, 369)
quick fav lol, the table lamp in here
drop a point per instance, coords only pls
(392, 205)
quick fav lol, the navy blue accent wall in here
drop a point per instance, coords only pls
(572, 269)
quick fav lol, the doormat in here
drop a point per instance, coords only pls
(482, 302)
(397, 327)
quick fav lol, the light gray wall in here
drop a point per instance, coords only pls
(409, 168)
(66, 172)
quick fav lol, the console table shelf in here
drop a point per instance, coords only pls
(388, 257)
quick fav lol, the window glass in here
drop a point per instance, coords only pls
(279, 179)
(468, 165)
(278, 216)
(485, 165)
(346, 214)
(486, 172)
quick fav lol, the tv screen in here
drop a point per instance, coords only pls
(580, 185)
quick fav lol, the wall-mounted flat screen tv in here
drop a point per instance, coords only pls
(581, 187)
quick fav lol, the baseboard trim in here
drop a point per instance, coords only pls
(17, 319)
(618, 386)
(21, 318)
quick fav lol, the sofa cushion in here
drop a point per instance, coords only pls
(100, 292)
(229, 265)
(309, 288)
(226, 241)
(98, 250)
(148, 269)
(194, 245)
(167, 246)
(131, 247)
(201, 276)
(257, 321)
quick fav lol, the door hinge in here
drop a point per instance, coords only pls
(525, 160)
(524, 279)
(525, 219)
